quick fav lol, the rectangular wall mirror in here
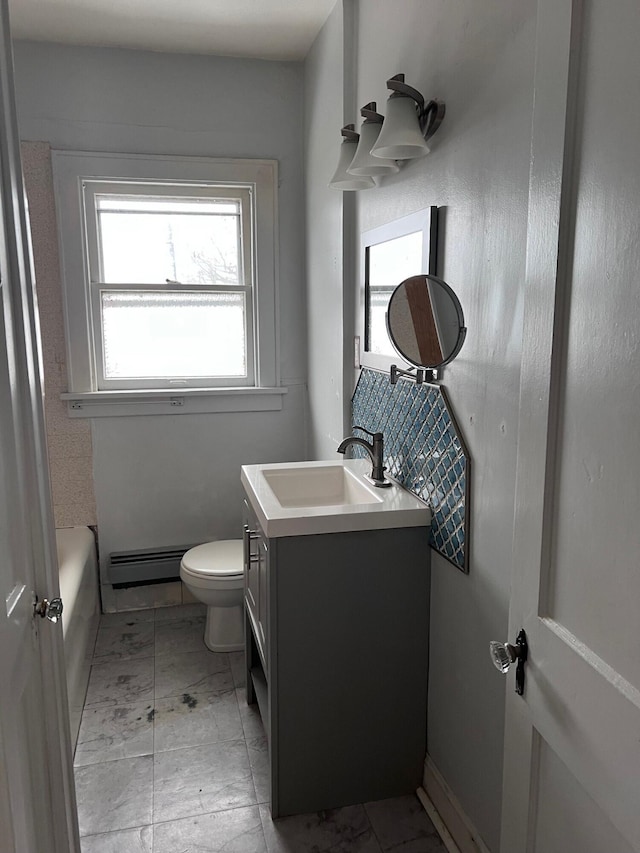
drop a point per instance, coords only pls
(388, 255)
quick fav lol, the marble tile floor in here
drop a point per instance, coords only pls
(170, 759)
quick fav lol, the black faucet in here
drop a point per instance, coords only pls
(375, 451)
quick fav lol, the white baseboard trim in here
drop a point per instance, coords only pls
(456, 830)
(436, 820)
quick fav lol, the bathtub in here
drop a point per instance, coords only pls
(78, 565)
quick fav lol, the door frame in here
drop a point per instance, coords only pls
(19, 278)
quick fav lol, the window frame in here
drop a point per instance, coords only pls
(74, 171)
(91, 190)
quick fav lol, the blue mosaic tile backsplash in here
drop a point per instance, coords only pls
(423, 451)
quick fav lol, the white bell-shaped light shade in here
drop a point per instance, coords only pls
(341, 179)
(401, 137)
(363, 163)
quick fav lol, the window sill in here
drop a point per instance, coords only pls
(100, 404)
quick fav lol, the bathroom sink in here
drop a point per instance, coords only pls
(330, 485)
(305, 498)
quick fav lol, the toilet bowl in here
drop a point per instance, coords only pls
(213, 574)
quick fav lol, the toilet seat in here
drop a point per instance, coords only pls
(214, 559)
(214, 565)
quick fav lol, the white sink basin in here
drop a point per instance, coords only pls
(304, 498)
(331, 485)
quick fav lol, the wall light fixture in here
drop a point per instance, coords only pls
(409, 123)
(363, 163)
(341, 179)
(402, 135)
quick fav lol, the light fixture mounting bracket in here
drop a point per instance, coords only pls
(370, 113)
(430, 117)
(349, 133)
(401, 89)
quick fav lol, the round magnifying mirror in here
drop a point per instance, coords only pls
(425, 321)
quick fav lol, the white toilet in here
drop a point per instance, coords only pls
(213, 574)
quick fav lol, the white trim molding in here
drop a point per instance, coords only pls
(101, 404)
(458, 833)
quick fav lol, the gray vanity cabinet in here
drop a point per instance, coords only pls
(337, 656)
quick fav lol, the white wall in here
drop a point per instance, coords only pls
(175, 479)
(172, 479)
(329, 215)
(479, 59)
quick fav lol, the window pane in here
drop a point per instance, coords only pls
(152, 240)
(173, 335)
(389, 263)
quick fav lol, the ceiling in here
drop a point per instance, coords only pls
(260, 29)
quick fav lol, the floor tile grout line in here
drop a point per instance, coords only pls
(112, 831)
(253, 778)
(99, 661)
(155, 752)
(137, 701)
(202, 814)
(373, 829)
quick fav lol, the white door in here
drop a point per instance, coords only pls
(572, 743)
(37, 804)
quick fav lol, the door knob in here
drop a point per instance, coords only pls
(505, 654)
(51, 610)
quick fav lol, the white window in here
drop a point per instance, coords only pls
(168, 273)
(170, 284)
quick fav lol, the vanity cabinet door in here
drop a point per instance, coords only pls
(251, 540)
(256, 562)
(263, 595)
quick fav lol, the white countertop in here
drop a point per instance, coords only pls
(389, 507)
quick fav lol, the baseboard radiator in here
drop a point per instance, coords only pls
(149, 565)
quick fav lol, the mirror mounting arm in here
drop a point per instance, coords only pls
(418, 374)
